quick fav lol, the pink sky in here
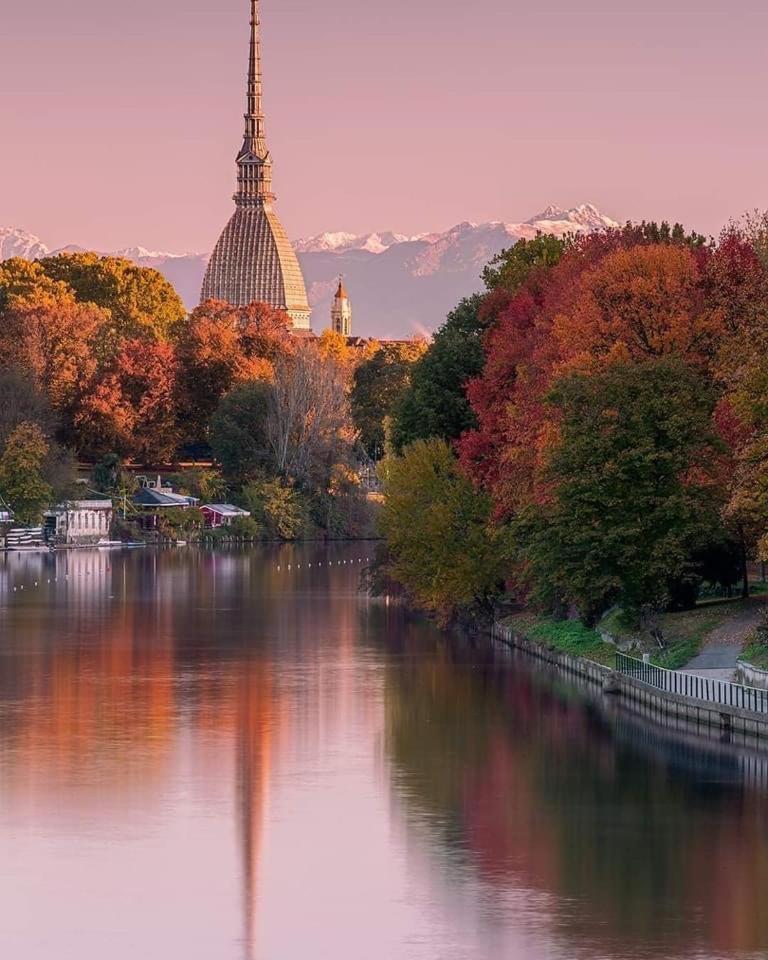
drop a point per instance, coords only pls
(120, 122)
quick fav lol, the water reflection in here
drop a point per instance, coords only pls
(208, 754)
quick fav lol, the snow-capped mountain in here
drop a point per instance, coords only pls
(19, 243)
(344, 242)
(141, 253)
(398, 283)
(555, 220)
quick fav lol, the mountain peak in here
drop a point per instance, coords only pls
(398, 282)
(18, 243)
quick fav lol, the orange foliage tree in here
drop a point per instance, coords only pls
(130, 408)
(225, 345)
(54, 339)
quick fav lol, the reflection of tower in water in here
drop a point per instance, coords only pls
(255, 720)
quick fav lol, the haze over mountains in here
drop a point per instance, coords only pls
(399, 285)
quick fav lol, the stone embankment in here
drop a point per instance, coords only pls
(722, 716)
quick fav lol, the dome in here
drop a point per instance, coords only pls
(254, 260)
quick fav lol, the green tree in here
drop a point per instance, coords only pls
(238, 431)
(630, 494)
(22, 484)
(435, 403)
(22, 400)
(141, 302)
(442, 546)
(277, 507)
(511, 268)
(378, 384)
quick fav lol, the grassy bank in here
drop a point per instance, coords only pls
(757, 655)
(567, 635)
(683, 632)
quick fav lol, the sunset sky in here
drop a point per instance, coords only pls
(120, 122)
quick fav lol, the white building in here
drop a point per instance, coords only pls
(80, 521)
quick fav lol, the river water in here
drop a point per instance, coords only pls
(238, 756)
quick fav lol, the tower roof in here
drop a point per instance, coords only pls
(341, 293)
(253, 259)
(254, 161)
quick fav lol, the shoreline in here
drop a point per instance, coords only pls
(724, 719)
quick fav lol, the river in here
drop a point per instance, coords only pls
(239, 756)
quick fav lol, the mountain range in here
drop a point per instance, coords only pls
(399, 285)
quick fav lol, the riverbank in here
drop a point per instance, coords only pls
(656, 700)
(686, 633)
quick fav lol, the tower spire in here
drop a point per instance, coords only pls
(254, 161)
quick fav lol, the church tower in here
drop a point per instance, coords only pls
(341, 312)
(254, 259)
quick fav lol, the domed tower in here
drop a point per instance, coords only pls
(341, 312)
(254, 259)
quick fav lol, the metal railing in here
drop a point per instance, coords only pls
(697, 688)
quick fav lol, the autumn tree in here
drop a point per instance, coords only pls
(639, 303)
(54, 341)
(26, 280)
(632, 294)
(130, 408)
(308, 423)
(142, 304)
(436, 403)
(378, 385)
(442, 546)
(22, 484)
(223, 346)
(630, 496)
(335, 346)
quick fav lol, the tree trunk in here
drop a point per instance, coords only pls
(744, 567)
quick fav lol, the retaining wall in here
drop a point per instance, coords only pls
(700, 712)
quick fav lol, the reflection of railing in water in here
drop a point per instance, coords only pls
(694, 687)
(662, 727)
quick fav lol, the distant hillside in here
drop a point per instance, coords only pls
(399, 285)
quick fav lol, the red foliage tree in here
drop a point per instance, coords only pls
(631, 294)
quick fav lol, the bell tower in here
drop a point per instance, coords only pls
(341, 312)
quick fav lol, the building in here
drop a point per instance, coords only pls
(254, 259)
(156, 494)
(341, 311)
(79, 522)
(153, 498)
(222, 514)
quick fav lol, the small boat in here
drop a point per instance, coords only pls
(119, 544)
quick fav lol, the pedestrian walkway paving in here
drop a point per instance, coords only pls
(717, 662)
(719, 655)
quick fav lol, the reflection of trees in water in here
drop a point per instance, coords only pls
(105, 671)
(536, 790)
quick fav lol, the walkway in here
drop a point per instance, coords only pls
(722, 647)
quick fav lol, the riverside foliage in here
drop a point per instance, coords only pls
(618, 419)
(100, 361)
